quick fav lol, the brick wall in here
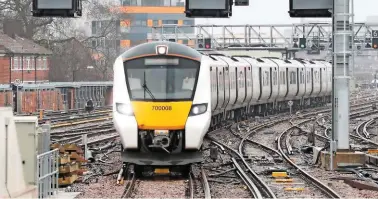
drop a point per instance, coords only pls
(4, 70)
(29, 75)
(26, 75)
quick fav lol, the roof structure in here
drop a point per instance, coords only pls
(19, 45)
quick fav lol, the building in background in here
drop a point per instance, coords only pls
(22, 59)
(137, 19)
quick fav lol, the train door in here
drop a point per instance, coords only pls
(321, 79)
(312, 80)
(260, 82)
(220, 83)
(245, 84)
(287, 81)
(236, 85)
(226, 87)
(270, 81)
(296, 94)
(214, 95)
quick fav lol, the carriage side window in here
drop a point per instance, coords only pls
(265, 78)
(316, 77)
(301, 77)
(212, 82)
(240, 81)
(291, 78)
(232, 80)
(274, 78)
(226, 81)
(243, 81)
(281, 77)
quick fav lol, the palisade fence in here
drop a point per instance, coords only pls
(56, 96)
(47, 165)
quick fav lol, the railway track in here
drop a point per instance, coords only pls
(257, 187)
(83, 128)
(285, 149)
(132, 180)
(363, 134)
(360, 129)
(79, 121)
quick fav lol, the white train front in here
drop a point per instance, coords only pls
(174, 94)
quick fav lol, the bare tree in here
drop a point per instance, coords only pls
(21, 10)
(103, 41)
(59, 34)
(70, 62)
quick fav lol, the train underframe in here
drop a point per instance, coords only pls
(160, 153)
(267, 109)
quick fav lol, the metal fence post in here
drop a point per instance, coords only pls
(85, 143)
(46, 128)
(47, 172)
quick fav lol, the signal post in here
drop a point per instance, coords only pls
(339, 153)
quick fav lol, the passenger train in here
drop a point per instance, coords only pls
(166, 96)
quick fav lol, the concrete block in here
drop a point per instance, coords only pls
(342, 159)
(315, 152)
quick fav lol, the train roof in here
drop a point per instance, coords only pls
(149, 49)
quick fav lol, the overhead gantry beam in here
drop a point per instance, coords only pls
(317, 35)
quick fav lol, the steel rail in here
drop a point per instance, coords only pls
(205, 183)
(331, 193)
(250, 184)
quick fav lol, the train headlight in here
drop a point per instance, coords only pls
(161, 50)
(124, 109)
(198, 109)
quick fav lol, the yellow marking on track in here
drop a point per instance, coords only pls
(284, 180)
(294, 188)
(279, 174)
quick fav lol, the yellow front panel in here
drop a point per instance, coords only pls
(161, 115)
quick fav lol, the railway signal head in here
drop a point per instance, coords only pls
(375, 43)
(207, 43)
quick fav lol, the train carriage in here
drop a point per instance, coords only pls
(166, 96)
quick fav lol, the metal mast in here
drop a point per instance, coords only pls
(342, 38)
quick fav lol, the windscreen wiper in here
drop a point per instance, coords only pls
(148, 90)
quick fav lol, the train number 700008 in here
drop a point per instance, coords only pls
(162, 108)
